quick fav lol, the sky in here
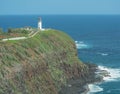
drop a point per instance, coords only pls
(26, 7)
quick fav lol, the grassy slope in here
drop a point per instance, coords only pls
(39, 65)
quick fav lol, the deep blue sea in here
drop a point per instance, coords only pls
(97, 38)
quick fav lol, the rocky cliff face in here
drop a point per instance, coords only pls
(43, 64)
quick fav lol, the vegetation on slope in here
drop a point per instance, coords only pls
(16, 32)
(39, 65)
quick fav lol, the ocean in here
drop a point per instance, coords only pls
(97, 38)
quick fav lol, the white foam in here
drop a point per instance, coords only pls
(114, 74)
(103, 54)
(93, 88)
(81, 45)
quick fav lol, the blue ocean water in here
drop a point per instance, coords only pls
(97, 38)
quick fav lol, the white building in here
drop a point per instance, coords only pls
(40, 24)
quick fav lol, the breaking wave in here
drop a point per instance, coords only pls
(93, 88)
(81, 45)
(114, 73)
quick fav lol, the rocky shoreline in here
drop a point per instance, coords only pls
(80, 85)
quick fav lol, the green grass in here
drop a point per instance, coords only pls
(40, 59)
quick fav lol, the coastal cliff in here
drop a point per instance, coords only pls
(44, 64)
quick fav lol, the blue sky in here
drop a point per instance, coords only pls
(16, 7)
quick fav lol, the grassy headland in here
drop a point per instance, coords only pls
(43, 64)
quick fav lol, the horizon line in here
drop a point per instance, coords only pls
(52, 14)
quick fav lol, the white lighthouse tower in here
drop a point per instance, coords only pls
(40, 24)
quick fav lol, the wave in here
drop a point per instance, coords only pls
(103, 54)
(81, 45)
(114, 73)
(93, 88)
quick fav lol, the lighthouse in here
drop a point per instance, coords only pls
(40, 24)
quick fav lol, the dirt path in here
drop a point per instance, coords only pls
(30, 35)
